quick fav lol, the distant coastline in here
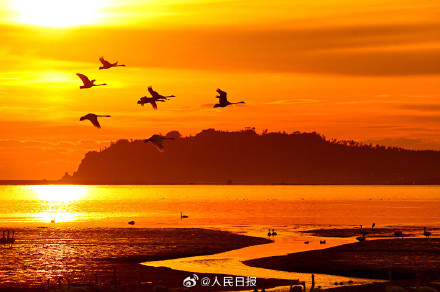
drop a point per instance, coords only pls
(244, 157)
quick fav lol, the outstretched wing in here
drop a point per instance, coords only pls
(104, 62)
(94, 120)
(159, 146)
(84, 78)
(153, 103)
(153, 93)
(222, 96)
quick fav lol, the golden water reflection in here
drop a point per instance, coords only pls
(58, 192)
(58, 202)
(56, 217)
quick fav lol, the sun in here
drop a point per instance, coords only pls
(57, 13)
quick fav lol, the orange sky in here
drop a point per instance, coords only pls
(363, 70)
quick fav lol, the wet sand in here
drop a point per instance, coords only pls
(369, 259)
(39, 255)
(407, 231)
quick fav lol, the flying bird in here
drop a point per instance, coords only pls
(154, 98)
(157, 141)
(87, 82)
(93, 118)
(223, 101)
(108, 65)
(156, 95)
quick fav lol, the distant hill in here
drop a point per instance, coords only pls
(216, 157)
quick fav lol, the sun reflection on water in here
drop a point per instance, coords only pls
(60, 193)
(56, 217)
(58, 202)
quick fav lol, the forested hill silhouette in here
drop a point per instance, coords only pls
(245, 157)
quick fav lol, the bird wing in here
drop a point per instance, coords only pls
(153, 93)
(94, 120)
(159, 146)
(222, 96)
(84, 78)
(153, 103)
(104, 62)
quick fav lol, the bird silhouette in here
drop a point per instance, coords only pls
(183, 216)
(157, 141)
(273, 232)
(391, 288)
(361, 238)
(108, 65)
(426, 233)
(223, 101)
(155, 97)
(322, 242)
(269, 233)
(398, 234)
(131, 222)
(93, 118)
(306, 242)
(365, 232)
(87, 82)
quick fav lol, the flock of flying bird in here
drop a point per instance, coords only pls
(157, 140)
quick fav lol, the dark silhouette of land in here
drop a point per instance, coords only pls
(245, 157)
(368, 259)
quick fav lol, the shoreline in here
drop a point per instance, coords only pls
(133, 275)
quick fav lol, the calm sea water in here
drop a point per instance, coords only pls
(160, 206)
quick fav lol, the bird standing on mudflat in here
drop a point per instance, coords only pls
(426, 233)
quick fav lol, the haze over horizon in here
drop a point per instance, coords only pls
(367, 71)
